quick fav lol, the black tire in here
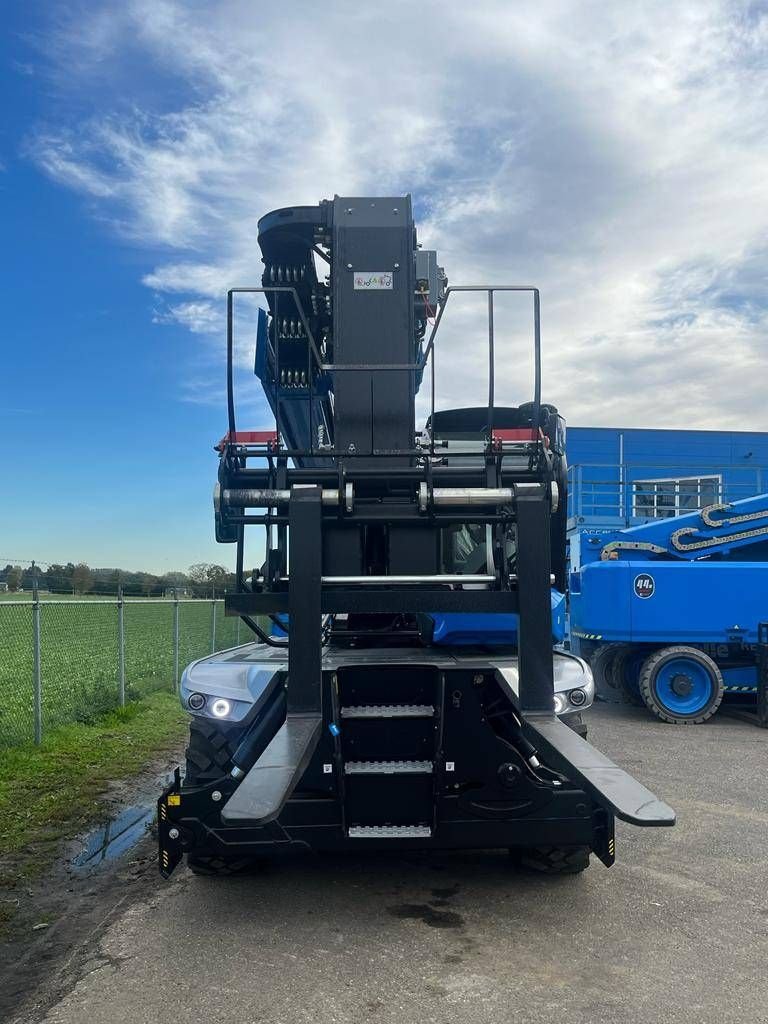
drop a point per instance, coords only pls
(626, 674)
(552, 860)
(601, 664)
(576, 722)
(209, 758)
(209, 752)
(218, 866)
(655, 670)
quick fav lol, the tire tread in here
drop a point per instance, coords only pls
(553, 860)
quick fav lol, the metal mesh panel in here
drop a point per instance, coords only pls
(79, 664)
(78, 660)
(226, 629)
(16, 676)
(148, 629)
(194, 631)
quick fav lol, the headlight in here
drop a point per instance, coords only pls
(577, 698)
(221, 707)
(559, 704)
(196, 701)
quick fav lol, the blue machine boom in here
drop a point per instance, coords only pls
(677, 607)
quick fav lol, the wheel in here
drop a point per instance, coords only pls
(209, 752)
(681, 685)
(626, 666)
(552, 860)
(217, 866)
(601, 664)
(575, 722)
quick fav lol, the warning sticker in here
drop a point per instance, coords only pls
(372, 280)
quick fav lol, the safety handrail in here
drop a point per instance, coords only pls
(417, 366)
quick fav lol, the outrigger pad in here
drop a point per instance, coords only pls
(609, 784)
(265, 789)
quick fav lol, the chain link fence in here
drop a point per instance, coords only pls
(72, 661)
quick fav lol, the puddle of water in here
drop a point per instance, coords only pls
(114, 838)
(117, 835)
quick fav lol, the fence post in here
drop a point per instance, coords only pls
(213, 622)
(121, 646)
(175, 640)
(37, 673)
(237, 631)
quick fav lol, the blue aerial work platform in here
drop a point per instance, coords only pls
(673, 612)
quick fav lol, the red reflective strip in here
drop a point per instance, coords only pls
(248, 437)
(515, 434)
(519, 434)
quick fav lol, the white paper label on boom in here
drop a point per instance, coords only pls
(372, 280)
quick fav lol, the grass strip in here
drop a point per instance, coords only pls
(52, 792)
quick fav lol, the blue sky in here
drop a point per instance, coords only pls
(615, 155)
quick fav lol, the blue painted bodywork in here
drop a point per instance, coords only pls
(711, 594)
(491, 629)
(692, 602)
(588, 545)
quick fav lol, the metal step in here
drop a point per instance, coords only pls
(388, 768)
(389, 832)
(388, 711)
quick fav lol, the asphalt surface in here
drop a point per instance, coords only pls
(676, 931)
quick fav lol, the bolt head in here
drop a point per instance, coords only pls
(397, 266)
(477, 680)
(508, 774)
(173, 833)
(349, 266)
(216, 795)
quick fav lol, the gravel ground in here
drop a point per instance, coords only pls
(676, 931)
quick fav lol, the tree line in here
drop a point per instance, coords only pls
(200, 580)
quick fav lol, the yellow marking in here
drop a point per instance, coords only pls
(174, 799)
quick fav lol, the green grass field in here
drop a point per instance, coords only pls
(79, 656)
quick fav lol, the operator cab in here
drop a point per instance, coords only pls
(467, 547)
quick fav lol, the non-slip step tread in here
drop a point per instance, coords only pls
(388, 711)
(388, 767)
(389, 832)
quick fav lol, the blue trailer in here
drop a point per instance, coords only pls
(673, 612)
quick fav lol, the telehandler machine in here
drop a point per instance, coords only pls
(403, 690)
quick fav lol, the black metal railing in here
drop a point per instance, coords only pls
(315, 360)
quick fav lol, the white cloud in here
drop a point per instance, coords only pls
(613, 154)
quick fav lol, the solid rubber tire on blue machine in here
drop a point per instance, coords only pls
(601, 663)
(681, 685)
(626, 667)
